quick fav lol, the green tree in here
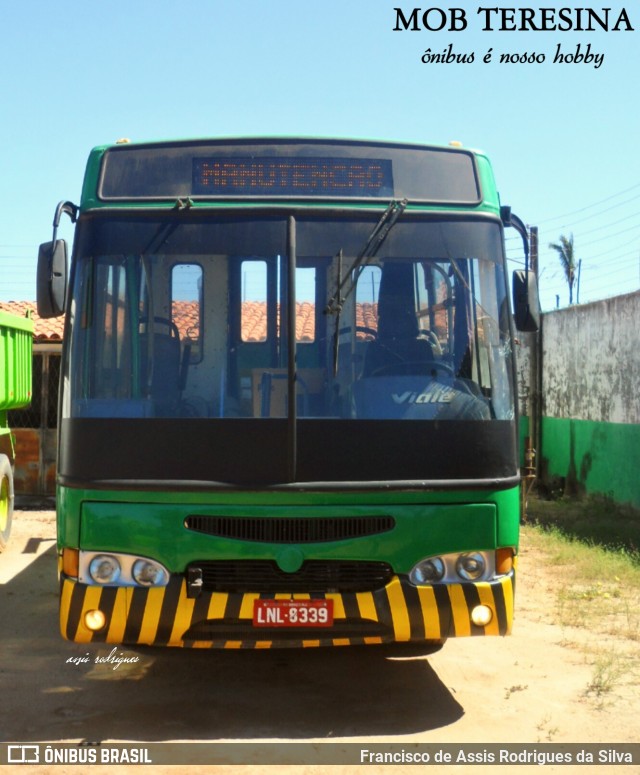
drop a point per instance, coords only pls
(565, 250)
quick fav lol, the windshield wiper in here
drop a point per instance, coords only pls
(369, 250)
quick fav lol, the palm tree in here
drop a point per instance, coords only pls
(565, 251)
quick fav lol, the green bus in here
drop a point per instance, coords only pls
(287, 413)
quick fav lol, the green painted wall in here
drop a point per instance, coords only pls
(523, 432)
(592, 457)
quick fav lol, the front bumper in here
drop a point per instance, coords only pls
(167, 616)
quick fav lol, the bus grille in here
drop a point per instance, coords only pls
(290, 530)
(313, 576)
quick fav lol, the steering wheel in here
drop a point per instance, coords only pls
(163, 322)
(372, 332)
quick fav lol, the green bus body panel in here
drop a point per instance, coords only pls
(153, 523)
(442, 529)
(491, 200)
(593, 457)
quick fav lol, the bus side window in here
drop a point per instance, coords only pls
(367, 293)
(254, 325)
(186, 308)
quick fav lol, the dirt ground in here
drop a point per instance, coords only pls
(535, 686)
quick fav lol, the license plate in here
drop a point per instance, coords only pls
(293, 613)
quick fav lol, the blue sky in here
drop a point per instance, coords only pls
(562, 137)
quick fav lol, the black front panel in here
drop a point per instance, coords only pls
(244, 452)
(256, 453)
(417, 450)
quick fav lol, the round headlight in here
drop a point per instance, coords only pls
(148, 573)
(427, 571)
(481, 615)
(104, 569)
(470, 567)
(95, 620)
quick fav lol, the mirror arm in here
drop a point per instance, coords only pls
(64, 207)
(511, 219)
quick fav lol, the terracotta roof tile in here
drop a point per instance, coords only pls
(45, 330)
(185, 314)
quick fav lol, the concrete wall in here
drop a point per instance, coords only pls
(591, 361)
(589, 428)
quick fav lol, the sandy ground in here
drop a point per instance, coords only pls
(533, 687)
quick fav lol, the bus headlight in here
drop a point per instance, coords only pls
(427, 571)
(470, 567)
(104, 569)
(454, 568)
(120, 570)
(148, 573)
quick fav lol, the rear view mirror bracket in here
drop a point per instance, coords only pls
(526, 305)
(63, 207)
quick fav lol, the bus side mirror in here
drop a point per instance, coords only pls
(526, 306)
(51, 278)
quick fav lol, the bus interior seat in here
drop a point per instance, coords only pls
(398, 348)
(168, 367)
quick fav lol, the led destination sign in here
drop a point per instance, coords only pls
(287, 169)
(291, 176)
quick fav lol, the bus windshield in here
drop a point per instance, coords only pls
(193, 317)
(190, 317)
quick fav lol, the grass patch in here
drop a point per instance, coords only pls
(606, 673)
(595, 521)
(597, 588)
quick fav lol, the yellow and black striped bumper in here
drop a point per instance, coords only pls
(166, 616)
